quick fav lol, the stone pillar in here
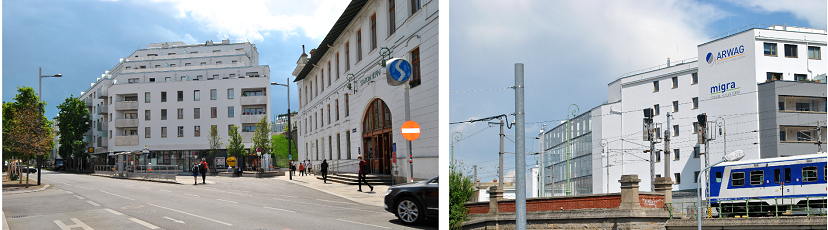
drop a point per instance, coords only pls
(629, 192)
(495, 195)
(664, 185)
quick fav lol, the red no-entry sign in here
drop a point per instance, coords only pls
(410, 130)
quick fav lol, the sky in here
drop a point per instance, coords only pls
(81, 39)
(571, 50)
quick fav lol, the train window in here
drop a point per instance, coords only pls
(809, 174)
(824, 173)
(787, 175)
(757, 177)
(737, 179)
(777, 175)
(718, 177)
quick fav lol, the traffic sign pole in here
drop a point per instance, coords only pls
(408, 118)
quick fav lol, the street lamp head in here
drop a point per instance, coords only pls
(58, 75)
(734, 156)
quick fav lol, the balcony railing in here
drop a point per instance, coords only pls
(182, 68)
(103, 126)
(247, 136)
(126, 123)
(103, 133)
(103, 143)
(253, 100)
(126, 105)
(252, 118)
(102, 93)
(102, 109)
(126, 140)
(190, 55)
(88, 101)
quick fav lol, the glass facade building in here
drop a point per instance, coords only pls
(554, 144)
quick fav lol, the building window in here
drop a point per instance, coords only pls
(196, 95)
(675, 130)
(147, 132)
(415, 68)
(329, 73)
(696, 177)
(656, 110)
(675, 82)
(657, 157)
(676, 155)
(737, 178)
(163, 96)
(322, 82)
(359, 45)
(373, 32)
(197, 131)
(655, 86)
(415, 6)
(329, 113)
(392, 26)
(347, 56)
(678, 177)
(695, 103)
(800, 77)
(232, 75)
(782, 136)
(180, 95)
(147, 97)
(802, 133)
(230, 128)
(230, 93)
(790, 51)
(675, 106)
(348, 143)
(337, 65)
(213, 112)
(336, 103)
(163, 131)
(230, 111)
(695, 127)
(163, 114)
(196, 113)
(180, 114)
(213, 94)
(657, 133)
(813, 53)
(147, 115)
(802, 104)
(180, 131)
(696, 152)
(770, 49)
(695, 78)
(347, 111)
(774, 76)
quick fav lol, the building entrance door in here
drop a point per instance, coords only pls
(377, 137)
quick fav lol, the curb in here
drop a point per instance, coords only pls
(341, 196)
(5, 223)
(19, 192)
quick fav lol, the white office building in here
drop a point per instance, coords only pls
(167, 96)
(347, 109)
(763, 91)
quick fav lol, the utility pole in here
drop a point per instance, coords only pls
(541, 164)
(475, 176)
(520, 151)
(667, 147)
(500, 169)
(568, 131)
(651, 135)
(819, 136)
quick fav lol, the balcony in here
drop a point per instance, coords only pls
(102, 93)
(126, 140)
(247, 136)
(103, 133)
(103, 143)
(88, 101)
(101, 150)
(103, 126)
(126, 105)
(183, 68)
(252, 118)
(191, 55)
(253, 100)
(102, 110)
(126, 123)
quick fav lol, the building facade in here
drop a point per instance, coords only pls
(346, 109)
(167, 96)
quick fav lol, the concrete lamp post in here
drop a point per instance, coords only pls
(40, 107)
(289, 139)
(730, 157)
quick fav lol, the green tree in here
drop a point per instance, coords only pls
(279, 145)
(460, 190)
(27, 134)
(214, 141)
(235, 147)
(261, 137)
(73, 123)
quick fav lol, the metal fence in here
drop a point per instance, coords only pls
(141, 172)
(746, 208)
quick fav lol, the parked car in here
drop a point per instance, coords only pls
(414, 202)
(30, 169)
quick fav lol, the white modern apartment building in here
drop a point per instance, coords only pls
(347, 109)
(762, 89)
(166, 97)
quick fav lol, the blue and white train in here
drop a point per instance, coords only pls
(799, 180)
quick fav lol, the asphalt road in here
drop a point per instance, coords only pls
(78, 201)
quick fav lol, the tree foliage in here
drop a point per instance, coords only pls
(73, 123)
(279, 145)
(235, 147)
(261, 138)
(26, 132)
(460, 190)
(214, 140)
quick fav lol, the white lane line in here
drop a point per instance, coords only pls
(280, 209)
(78, 224)
(141, 222)
(177, 221)
(93, 203)
(82, 187)
(361, 210)
(228, 192)
(284, 195)
(228, 201)
(336, 201)
(67, 191)
(114, 212)
(80, 197)
(116, 195)
(191, 195)
(165, 190)
(225, 223)
(363, 223)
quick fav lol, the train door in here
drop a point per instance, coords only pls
(787, 181)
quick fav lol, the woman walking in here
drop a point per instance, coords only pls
(195, 173)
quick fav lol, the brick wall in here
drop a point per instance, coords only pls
(611, 200)
(478, 208)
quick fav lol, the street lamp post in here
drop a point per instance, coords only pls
(146, 157)
(734, 156)
(568, 131)
(40, 108)
(289, 139)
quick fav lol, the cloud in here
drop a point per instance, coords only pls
(812, 11)
(255, 19)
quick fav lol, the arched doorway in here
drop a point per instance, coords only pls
(376, 137)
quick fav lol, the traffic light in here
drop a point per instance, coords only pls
(702, 119)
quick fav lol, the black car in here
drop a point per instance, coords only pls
(414, 202)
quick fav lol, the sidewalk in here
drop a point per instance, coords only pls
(14, 187)
(375, 198)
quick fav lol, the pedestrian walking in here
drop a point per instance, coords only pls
(203, 170)
(301, 169)
(291, 168)
(309, 168)
(324, 170)
(195, 173)
(363, 168)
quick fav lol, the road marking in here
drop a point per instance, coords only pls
(191, 195)
(93, 203)
(116, 195)
(363, 223)
(80, 197)
(177, 221)
(145, 187)
(228, 201)
(67, 191)
(82, 187)
(132, 206)
(228, 192)
(329, 206)
(165, 190)
(114, 212)
(336, 201)
(284, 195)
(280, 209)
(141, 222)
(225, 223)
(78, 224)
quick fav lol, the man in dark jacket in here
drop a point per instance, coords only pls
(363, 168)
(203, 168)
(324, 170)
